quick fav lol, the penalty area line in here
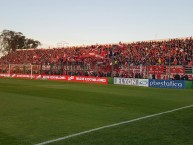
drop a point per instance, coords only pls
(112, 125)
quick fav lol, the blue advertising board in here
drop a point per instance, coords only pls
(174, 84)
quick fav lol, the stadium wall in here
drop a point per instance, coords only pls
(154, 83)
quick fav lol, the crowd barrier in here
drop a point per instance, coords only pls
(154, 83)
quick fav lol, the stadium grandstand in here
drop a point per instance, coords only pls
(162, 59)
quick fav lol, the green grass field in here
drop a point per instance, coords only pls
(32, 112)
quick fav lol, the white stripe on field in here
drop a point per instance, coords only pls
(112, 125)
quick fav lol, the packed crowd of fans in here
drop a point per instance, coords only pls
(166, 52)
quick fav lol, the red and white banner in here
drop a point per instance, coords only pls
(175, 70)
(83, 79)
(190, 77)
(21, 76)
(4, 75)
(97, 80)
(53, 77)
(156, 69)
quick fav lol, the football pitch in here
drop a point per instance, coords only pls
(34, 112)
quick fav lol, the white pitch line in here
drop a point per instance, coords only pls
(111, 125)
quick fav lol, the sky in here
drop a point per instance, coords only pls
(77, 22)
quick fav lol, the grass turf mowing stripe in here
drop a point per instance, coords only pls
(112, 125)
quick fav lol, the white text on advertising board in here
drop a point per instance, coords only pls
(126, 81)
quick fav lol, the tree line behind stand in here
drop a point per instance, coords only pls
(12, 41)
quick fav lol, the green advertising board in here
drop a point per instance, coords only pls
(189, 84)
(110, 80)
